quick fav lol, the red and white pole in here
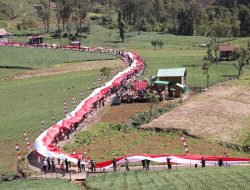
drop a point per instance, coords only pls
(65, 107)
(18, 152)
(26, 139)
(184, 144)
(82, 96)
(53, 118)
(88, 90)
(74, 102)
(42, 129)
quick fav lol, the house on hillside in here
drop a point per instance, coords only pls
(4, 36)
(175, 78)
(226, 52)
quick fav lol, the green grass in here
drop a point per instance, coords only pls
(192, 60)
(25, 103)
(40, 58)
(55, 184)
(98, 142)
(229, 178)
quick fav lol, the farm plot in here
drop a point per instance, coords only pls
(42, 184)
(25, 103)
(31, 58)
(221, 114)
(210, 178)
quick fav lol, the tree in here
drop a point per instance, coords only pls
(82, 9)
(244, 17)
(58, 13)
(121, 26)
(186, 22)
(105, 71)
(157, 43)
(154, 43)
(153, 100)
(243, 56)
(43, 12)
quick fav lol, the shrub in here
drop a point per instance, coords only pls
(145, 117)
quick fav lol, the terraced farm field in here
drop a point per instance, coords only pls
(229, 178)
(41, 184)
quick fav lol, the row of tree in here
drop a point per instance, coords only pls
(67, 11)
(222, 18)
(194, 17)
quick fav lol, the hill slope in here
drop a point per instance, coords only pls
(209, 178)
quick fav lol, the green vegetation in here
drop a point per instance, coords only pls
(31, 58)
(210, 178)
(25, 103)
(28, 101)
(42, 184)
(100, 142)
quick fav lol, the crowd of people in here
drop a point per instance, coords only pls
(49, 164)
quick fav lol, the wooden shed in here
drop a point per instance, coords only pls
(176, 78)
(4, 36)
(226, 52)
(35, 39)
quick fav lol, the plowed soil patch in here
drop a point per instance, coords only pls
(222, 113)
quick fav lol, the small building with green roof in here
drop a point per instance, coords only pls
(176, 79)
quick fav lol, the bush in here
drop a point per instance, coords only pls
(65, 35)
(144, 117)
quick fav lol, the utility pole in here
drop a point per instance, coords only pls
(206, 69)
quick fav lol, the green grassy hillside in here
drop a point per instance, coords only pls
(229, 178)
(55, 184)
(32, 58)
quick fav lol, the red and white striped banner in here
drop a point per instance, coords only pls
(184, 144)
(175, 159)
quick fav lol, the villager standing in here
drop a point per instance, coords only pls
(44, 165)
(169, 163)
(67, 165)
(79, 165)
(143, 164)
(203, 162)
(127, 164)
(114, 164)
(93, 166)
(62, 168)
(147, 164)
(58, 161)
(53, 166)
(220, 163)
(82, 164)
(48, 162)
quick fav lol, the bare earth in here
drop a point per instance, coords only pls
(67, 68)
(222, 114)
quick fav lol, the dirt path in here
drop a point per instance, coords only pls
(222, 113)
(67, 68)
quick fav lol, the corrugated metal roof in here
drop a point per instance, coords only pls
(3, 32)
(174, 72)
(228, 48)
